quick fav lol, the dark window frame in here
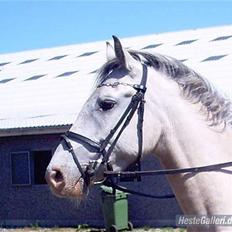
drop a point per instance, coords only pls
(29, 168)
(57, 57)
(151, 46)
(88, 54)
(214, 58)
(29, 61)
(4, 63)
(183, 60)
(225, 37)
(35, 77)
(94, 71)
(186, 42)
(66, 74)
(4, 81)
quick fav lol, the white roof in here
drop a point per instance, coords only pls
(47, 87)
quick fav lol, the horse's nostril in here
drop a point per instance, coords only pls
(58, 177)
(55, 179)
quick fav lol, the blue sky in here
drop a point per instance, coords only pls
(35, 24)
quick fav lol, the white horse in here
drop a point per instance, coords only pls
(187, 123)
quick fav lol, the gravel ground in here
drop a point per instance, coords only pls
(86, 230)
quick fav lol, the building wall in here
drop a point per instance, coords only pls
(34, 204)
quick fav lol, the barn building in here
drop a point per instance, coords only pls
(41, 93)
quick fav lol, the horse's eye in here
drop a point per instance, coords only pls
(115, 66)
(107, 104)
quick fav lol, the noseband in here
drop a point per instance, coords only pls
(106, 146)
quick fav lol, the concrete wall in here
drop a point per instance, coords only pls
(34, 204)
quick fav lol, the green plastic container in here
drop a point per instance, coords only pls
(115, 210)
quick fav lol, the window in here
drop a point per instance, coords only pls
(41, 116)
(67, 74)
(87, 54)
(20, 168)
(6, 80)
(183, 60)
(28, 61)
(5, 63)
(212, 58)
(94, 71)
(152, 46)
(186, 42)
(58, 57)
(34, 77)
(222, 38)
(41, 160)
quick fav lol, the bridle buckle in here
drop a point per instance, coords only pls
(141, 88)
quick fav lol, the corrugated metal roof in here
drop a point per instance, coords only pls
(48, 87)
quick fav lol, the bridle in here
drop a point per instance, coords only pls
(105, 147)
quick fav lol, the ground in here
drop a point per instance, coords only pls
(37, 229)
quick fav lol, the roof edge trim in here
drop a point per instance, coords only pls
(34, 130)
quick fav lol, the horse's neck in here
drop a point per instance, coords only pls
(188, 141)
(191, 146)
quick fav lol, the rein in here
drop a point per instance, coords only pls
(106, 146)
(110, 175)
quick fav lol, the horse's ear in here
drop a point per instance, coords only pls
(122, 55)
(110, 54)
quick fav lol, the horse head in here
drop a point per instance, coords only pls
(108, 130)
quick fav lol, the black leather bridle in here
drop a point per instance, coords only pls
(106, 146)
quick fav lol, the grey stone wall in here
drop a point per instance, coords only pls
(34, 204)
